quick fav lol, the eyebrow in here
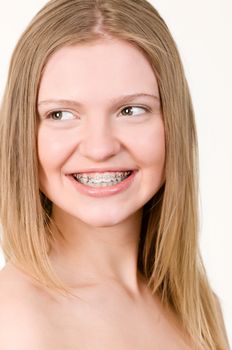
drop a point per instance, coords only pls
(123, 98)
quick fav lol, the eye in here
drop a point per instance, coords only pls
(61, 115)
(127, 111)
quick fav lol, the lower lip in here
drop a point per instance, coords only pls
(103, 191)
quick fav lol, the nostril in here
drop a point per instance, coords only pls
(99, 150)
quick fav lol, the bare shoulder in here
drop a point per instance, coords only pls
(22, 320)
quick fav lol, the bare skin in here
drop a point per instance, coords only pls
(105, 316)
(85, 94)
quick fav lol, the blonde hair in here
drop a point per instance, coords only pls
(169, 256)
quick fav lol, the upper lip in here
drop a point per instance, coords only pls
(103, 170)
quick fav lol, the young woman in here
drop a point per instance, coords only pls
(99, 187)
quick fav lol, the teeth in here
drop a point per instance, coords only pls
(102, 179)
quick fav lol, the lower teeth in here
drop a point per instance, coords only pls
(104, 184)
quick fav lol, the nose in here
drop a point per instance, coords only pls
(99, 141)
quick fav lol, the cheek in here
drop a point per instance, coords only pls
(150, 146)
(53, 148)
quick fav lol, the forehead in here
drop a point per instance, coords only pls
(103, 68)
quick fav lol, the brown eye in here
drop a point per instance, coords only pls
(128, 111)
(61, 115)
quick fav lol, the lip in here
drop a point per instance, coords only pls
(99, 192)
(102, 170)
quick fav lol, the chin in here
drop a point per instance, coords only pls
(104, 221)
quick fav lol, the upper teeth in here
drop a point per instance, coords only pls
(102, 176)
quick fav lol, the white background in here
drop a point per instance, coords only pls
(203, 33)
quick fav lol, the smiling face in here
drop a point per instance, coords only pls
(87, 120)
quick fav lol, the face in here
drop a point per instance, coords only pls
(99, 108)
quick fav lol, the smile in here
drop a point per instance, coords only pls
(103, 184)
(102, 179)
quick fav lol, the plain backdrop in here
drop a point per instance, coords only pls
(203, 34)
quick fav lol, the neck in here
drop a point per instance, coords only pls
(92, 255)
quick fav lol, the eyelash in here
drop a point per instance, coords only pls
(142, 107)
(49, 115)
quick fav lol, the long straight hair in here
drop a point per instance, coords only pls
(169, 256)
